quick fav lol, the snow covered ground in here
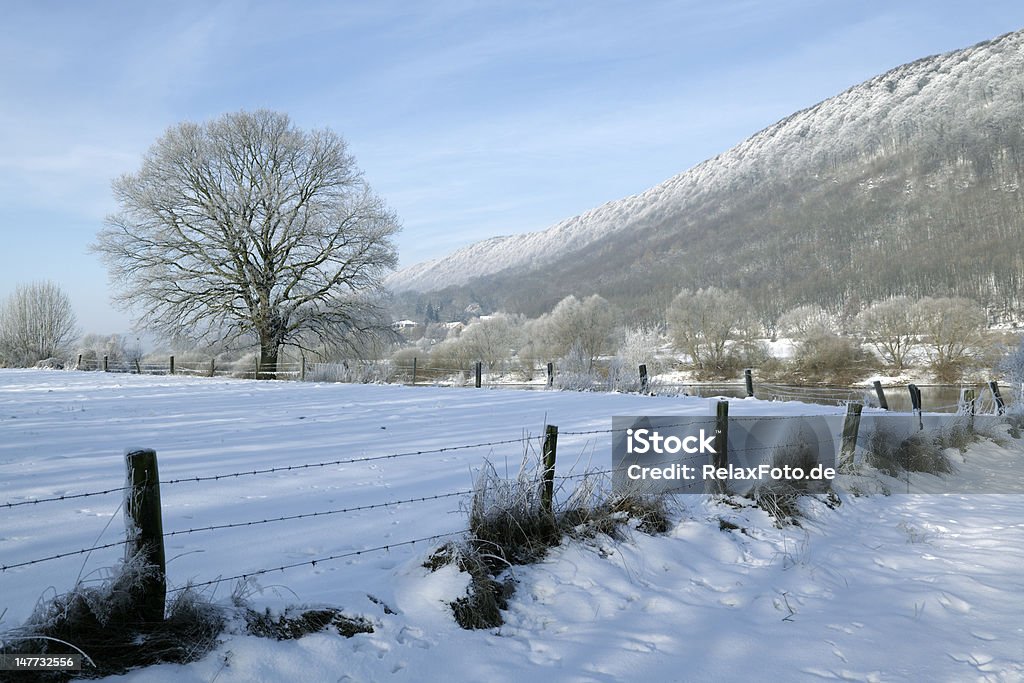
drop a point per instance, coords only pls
(881, 588)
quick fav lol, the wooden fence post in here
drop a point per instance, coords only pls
(720, 458)
(882, 403)
(414, 370)
(915, 396)
(547, 494)
(302, 369)
(172, 365)
(106, 364)
(78, 365)
(145, 532)
(748, 379)
(479, 373)
(643, 378)
(850, 428)
(1000, 406)
(915, 403)
(551, 375)
(213, 367)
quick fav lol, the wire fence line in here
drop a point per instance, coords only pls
(273, 470)
(833, 440)
(388, 456)
(58, 556)
(372, 506)
(319, 513)
(312, 563)
(69, 496)
(346, 461)
(256, 522)
(447, 373)
(233, 525)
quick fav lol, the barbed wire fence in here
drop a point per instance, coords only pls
(842, 441)
(479, 374)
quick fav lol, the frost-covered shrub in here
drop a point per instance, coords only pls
(1011, 366)
(636, 347)
(829, 358)
(352, 372)
(576, 371)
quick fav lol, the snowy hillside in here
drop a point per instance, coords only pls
(889, 144)
(879, 588)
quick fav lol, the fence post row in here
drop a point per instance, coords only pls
(145, 532)
(547, 494)
(643, 378)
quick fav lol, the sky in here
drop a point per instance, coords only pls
(471, 119)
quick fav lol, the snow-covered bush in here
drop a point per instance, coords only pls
(584, 325)
(1011, 367)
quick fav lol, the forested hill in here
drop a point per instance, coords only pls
(909, 183)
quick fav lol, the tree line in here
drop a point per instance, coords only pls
(715, 333)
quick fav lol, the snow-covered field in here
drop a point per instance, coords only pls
(898, 588)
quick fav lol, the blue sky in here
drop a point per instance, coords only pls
(471, 119)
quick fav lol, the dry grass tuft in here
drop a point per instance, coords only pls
(509, 526)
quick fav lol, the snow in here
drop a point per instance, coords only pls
(881, 588)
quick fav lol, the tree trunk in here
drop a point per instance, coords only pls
(268, 360)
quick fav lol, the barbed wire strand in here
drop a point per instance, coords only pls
(4, 568)
(306, 466)
(270, 470)
(313, 563)
(71, 496)
(348, 461)
(322, 513)
(233, 525)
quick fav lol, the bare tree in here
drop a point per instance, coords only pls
(36, 323)
(806, 322)
(492, 340)
(891, 327)
(247, 227)
(703, 322)
(952, 328)
(582, 326)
